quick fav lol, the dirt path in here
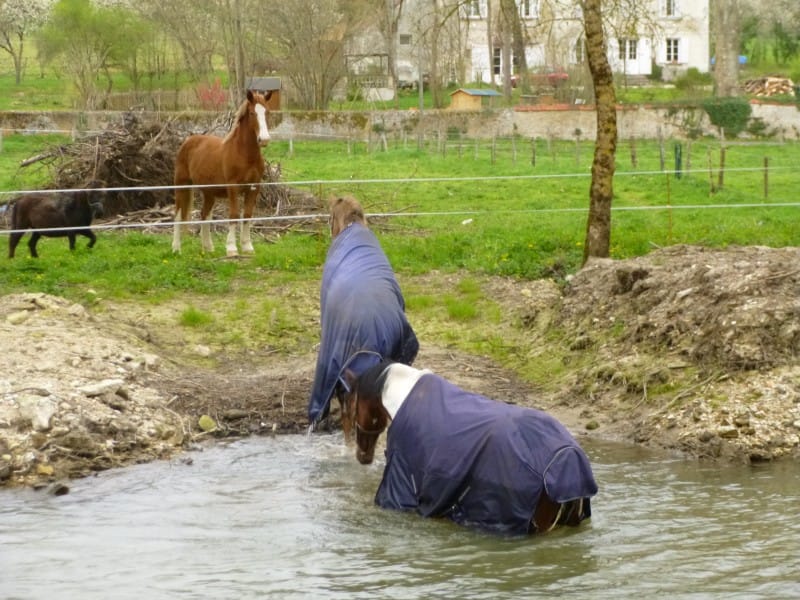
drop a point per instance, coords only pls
(687, 349)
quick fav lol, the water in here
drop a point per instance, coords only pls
(292, 517)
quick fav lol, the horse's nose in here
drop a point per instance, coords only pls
(263, 140)
(363, 457)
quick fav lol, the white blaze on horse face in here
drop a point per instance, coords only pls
(263, 132)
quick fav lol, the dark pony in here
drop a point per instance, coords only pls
(50, 215)
(226, 166)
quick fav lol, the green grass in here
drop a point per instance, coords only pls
(483, 210)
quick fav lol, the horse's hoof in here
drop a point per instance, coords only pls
(248, 250)
(232, 254)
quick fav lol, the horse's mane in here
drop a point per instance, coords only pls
(238, 116)
(370, 383)
(345, 211)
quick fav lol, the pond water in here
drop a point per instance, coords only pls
(293, 517)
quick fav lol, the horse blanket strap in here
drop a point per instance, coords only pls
(482, 463)
(362, 313)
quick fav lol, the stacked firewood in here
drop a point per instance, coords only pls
(769, 86)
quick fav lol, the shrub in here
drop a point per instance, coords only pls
(729, 114)
(212, 97)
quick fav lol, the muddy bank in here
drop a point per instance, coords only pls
(687, 349)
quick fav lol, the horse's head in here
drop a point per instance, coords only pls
(345, 211)
(363, 410)
(257, 111)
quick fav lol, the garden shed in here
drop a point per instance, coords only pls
(264, 85)
(471, 99)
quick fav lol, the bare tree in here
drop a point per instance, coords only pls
(598, 225)
(193, 25)
(311, 37)
(18, 18)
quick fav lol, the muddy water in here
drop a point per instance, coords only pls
(292, 517)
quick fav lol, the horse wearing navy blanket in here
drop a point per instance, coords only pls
(362, 310)
(455, 454)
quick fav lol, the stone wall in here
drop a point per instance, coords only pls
(543, 121)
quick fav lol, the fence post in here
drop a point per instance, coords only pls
(766, 177)
(533, 151)
(1, 141)
(669, 209)
(678, 160)
(634, 156)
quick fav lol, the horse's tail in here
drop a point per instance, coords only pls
(183, 201)
(183, 195)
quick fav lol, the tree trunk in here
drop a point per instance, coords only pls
(726, 25)
(598, 226)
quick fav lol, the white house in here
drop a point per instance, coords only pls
(673, 34)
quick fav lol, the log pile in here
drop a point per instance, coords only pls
(769, 86)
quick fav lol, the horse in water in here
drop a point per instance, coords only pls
(455, 454)
(227, 164)
(362, 310)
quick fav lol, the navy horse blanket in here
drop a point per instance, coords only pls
(479, 462)
(362, 313)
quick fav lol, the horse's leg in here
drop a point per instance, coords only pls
(32, 243)
(183, 200)
(250, 196)
(233, 213)
(13, 240)
(546, 515)
(205, 226)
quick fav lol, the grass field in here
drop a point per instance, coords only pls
(482, 208)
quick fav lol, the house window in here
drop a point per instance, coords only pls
(670, 8)
(528, 9)
(672, 50)
(497, 61)
(405, 39)
(580, 51)
(628, 49)
(472, 9)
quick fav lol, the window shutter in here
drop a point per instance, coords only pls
(683, 51)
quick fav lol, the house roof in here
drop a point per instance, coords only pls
(480, 92)
(263, 84)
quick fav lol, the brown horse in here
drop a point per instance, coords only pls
(226, 164)
(459, 455)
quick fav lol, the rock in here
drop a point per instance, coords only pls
(18, 318)
(47, 470)
(58, 488)
(39, 411)
(206, 423)
(102, 387)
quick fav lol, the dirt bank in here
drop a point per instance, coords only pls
(686, 349)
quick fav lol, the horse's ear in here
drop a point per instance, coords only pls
(250, 95)
(268, 95)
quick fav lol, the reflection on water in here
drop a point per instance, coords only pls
(293, 517)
